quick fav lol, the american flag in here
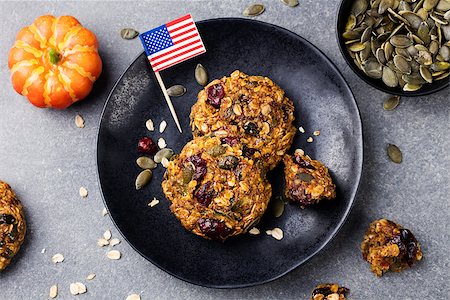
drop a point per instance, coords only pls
(172, 43)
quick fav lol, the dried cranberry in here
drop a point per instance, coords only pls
(215, 94)
(200, 166)
(407, 244)
(229, 141)
(248, 152)
(251, 129)
(303, 163)
(214, 229)
(298, 194)
(205, 194)
(147, 145)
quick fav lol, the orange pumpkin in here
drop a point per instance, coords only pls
(54, 61)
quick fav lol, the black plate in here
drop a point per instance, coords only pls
(323, 102)
(426, 89)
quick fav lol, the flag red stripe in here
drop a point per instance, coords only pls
(175, 62)
(175, 49)
(184, 18)
(181, 27)
(182, 33)
(179, 54)
(187, 38)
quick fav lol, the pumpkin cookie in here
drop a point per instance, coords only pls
(252, 109)
(330, 291)
(389, 246)
(214, 191)
(12, 225)
(307, 181)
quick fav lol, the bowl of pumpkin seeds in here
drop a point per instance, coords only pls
(401, 47)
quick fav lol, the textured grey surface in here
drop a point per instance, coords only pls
(46, 159)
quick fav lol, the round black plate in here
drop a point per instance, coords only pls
(323, 102)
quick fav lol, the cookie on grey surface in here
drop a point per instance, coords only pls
(12, 225)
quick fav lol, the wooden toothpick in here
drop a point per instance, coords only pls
(169, 102)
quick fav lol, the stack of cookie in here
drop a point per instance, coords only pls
(242, 127)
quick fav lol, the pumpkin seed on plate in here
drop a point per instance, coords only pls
(391, 103)
(145, 162)
(128, 33)
(278, 206)
(79, 121)
(305, 177)
(143, 179)
(253, 10)
(165, 152)
(176, 90)
(394, 154)
(201, 75)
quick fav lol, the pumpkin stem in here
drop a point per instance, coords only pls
(54, 56)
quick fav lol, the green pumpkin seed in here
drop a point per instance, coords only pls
(351, 23)
(394, 154)
(426, 74)
(176, 90)
(411, 87)
(216, 150)
(163, 153)
(128, 33)
(145, 162)
(359, 7)
(254, 10)
(228, 162)
(305, 177)
(430, 4)
(188, 173)
(290, 3)
(391, 103)
(389, 77)
(143, 179)
(201, 75)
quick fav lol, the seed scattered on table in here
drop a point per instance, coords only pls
(134, 297)
(114, 255)
(128, 33)
(90, 276)
(290, 3)
(162, 126)
(114, 242)
(83, 192)
(316, 133)
(201, 75)
(107, 235)
(149, 125)
(153, 202)
(299, 151)
(77, 288)
(102, 242)
(79, 121)
(57, 258)
(394, 153)
(162, 143)
(143, 179)
(310, 139)
(301, 129)
(104, 211)
(253, 10)
(176, 90)
(43, 251)
(391, 103)
(53, 291)
(254, 231)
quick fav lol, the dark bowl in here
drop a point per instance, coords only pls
(426, 89)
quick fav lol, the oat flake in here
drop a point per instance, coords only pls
(277, 233)
(254, 231)
(316, 133)
(104, 211)
(153, 202)
(134, 297)
(79, 121)
(164, 162)
(162, 126)
(57, 258)
(102, 242)
(149, 125)
(53, 291)
(114, 254)
(114, 241)
(90, 276)
(83, 192)
(309, 140)
(107, 235)
(161, 143)
(301, 129)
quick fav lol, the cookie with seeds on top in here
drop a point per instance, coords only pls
(252, 109)
(12, 225)
(214, 191)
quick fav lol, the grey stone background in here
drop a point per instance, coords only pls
(46, 159)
